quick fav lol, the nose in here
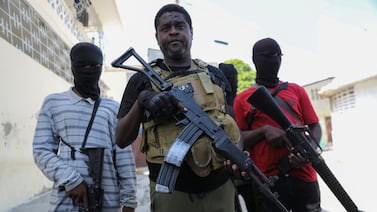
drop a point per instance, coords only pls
(173, 30)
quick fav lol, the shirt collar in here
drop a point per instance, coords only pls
(74, 98)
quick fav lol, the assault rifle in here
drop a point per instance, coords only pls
(302, 142)
(196, 123)
(95, 190)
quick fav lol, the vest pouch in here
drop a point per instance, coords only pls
(231, 129)
(217, 160)
(200, 156)
(203, 158)
(154, 153)
(158, 139)
(228, 124)
(201, 153)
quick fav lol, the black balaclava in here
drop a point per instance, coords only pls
(267, 58)
(86, 65)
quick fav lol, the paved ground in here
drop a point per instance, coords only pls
(348, 170)
(40, 203)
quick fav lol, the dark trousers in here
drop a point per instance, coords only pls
(246, 189)
(219, 200)
(296, 195)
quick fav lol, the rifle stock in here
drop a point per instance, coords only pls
(161, 84)
(301, 140)
(196, 116)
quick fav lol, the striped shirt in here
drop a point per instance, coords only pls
(66, 116)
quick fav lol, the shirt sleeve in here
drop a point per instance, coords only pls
(45, 146)
(137, 83)
(241, 109)
(126, 168)
(309, 114)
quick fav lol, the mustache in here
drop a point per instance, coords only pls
(175, 40)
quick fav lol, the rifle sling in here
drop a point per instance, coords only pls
(95, 108)
(283, 104)
(73, 150)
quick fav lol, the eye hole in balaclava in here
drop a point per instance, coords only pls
(267, 59)
(86, 65)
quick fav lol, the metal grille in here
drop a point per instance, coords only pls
(22, 27)
(343, 100)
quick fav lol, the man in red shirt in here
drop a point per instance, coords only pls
(297, 186)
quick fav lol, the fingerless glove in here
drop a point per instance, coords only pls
(160, 105)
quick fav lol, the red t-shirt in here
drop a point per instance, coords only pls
(264, 155)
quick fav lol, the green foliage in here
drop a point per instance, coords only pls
(246, 75)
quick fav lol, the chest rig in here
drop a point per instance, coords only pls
(158, 136)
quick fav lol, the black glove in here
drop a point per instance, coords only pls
(160, 105)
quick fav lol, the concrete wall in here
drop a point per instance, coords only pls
(322, 108)
(117, 80)
(355, 145)
(23, 85)
(44, 30)
(355, 126)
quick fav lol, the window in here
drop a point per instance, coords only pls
(25, 29)
(314, 94)
(343, 100)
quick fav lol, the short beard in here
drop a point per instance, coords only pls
(176, 55)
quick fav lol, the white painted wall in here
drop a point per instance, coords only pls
(354, 150)
(23, 85)
(117, 81)
(357, 125)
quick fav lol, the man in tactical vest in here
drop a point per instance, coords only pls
(203, 184)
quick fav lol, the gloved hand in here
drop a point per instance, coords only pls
(160, 105)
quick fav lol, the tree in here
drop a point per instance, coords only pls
(246, 75)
